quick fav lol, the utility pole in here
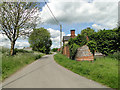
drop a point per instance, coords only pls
(61, 38)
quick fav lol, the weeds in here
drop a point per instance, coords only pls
(103, 70)
(11, 64)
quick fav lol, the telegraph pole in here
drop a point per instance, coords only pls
(61, 38)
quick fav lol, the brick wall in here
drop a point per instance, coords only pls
(85, 58)
(66, 51)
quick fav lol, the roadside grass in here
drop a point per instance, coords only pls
(0, 66)
(103, 70)
(11, 64)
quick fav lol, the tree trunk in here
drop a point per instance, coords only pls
(12, 48)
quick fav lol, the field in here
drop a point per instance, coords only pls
(10, 64)
(103, 70)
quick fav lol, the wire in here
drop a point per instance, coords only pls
(52, 13)
(56, 22)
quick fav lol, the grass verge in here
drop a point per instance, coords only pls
(11, 64)
(103, 70)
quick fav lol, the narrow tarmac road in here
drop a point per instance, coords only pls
(46, 73)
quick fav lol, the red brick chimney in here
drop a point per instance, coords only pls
(72, 33)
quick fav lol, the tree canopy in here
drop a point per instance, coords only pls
(92, 46)
(40, 40)
(54, 49)
(88, 31)
(107, 41)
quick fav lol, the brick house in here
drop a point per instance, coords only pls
(65, 42)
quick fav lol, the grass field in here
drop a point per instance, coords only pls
(103, 70)
(10, 64)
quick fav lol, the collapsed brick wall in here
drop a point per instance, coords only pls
(66, 51)
(83, 53)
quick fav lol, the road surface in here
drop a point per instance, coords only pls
(46, 73)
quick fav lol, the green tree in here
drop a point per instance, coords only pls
(71, 41)
(40, 40)
(87, 32)
(54, 49)
(92, 46)
(17, 18)
(107, 41)
(117, 30)
(80, 40)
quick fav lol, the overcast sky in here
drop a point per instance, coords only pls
(73, 14)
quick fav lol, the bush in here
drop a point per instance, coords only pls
(73, 50)
(20, 50)
(107, 41)
(38, 56)
(92, 46)
(4, 50)
(54, 49)
(116, 55)
(76, 42)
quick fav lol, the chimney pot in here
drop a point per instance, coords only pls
(72, 33)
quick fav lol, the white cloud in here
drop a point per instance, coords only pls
(55, 37)
(20, 43)
(70, 35)
(100, 12)
(4, 41)
(3, 38)
(98, 27)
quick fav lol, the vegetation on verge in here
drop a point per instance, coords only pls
(103, 70)
(11, 64)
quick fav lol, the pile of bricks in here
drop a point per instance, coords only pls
(83, 53)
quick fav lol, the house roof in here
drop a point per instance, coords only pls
(66, 38)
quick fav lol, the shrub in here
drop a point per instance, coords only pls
(107, 41)
(76, 42)
(73, 50)
(4, 50)
(116, 55)
(21, 51)
(92, 46)
(54, 49)
(37, 57)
